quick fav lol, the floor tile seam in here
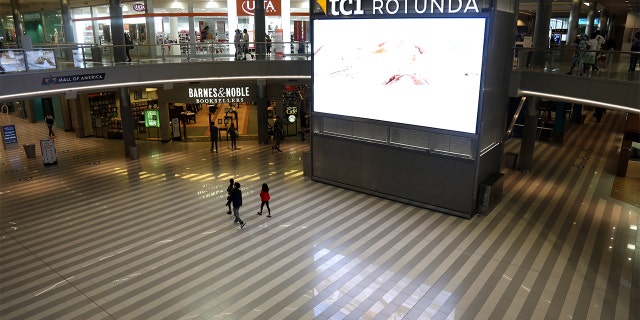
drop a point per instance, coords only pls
(80, 224)
(328, 271)
(352, 292)
(216, 268)
(421, 279)
(448, 282)
(168, 221)
(512, 283)
(361, 253)
(520, 277)
(563, 286)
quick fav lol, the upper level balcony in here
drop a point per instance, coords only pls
(60, 69)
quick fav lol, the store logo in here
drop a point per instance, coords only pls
(140, 7)
(248, 7)
(393, 7)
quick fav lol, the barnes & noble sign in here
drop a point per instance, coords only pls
(393, 7)
(225, 94)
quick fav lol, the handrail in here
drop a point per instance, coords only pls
(608, 64)
(82, 55)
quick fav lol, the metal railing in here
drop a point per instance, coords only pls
(69, 56)
(604, 64)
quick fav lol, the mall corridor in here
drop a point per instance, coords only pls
(98, 236)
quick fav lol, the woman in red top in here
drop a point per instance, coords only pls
(264, 198)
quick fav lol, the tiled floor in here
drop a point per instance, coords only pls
(98, 236)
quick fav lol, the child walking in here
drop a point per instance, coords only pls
(264, 198)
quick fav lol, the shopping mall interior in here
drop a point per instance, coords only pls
(117, 209)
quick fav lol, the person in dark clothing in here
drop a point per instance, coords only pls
(129, 45)
(236, 199)
(229, 189)
(635, 55)
(50, 121)
(278, 134)
(233, 132)
(213, 132)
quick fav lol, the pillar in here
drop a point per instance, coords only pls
(117, 31)
(591, 17)
(68, 36)
(17, 21)
(126, 117)
(260, 30)
(541, 33)
(30, 109)
(262, 105)
(574, 16)
(529, 134)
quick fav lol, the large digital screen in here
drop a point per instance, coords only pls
(417, 71)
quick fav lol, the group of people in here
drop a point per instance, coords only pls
(214, 135)
(594, 49)
(241, 42)
(234, 201)
(586, 51)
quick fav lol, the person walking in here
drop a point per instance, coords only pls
(578, 57)
(129, 45)
(233, 132)
(236, 199)
(49, 120)
(237, 38)
(229, 189)
(213, 133)
(635, 52)
(264, 200)
(267, 39)
(245, 43)
(277, 134)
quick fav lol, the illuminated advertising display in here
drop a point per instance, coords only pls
(9, 136)
(151, 118)
(417, 71)
(41, 59)
(12, 61)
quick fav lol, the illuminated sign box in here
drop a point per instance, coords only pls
(417, 71)
(12, 60)
(151, 118)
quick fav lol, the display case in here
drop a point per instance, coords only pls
(102, 108)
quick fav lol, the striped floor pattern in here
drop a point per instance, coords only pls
(98, 236)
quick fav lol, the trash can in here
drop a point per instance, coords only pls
(30, 150)
(134, 152)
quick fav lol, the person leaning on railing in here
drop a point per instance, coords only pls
(635, 47)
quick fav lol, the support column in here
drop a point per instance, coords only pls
(128, 126)
(117, 31)
(541, 33)
(17, 21)
(529, 134)
(163, 112)
(260, 30)
(68, 36)
(30, 109)
(574, 16)
(591, 17)
(263, 103)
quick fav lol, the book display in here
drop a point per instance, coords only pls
(103, 108)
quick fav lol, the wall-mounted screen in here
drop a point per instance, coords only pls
(417, 71)
(41, 59)
(12, 61)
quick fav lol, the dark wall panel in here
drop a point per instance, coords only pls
(417, 177)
